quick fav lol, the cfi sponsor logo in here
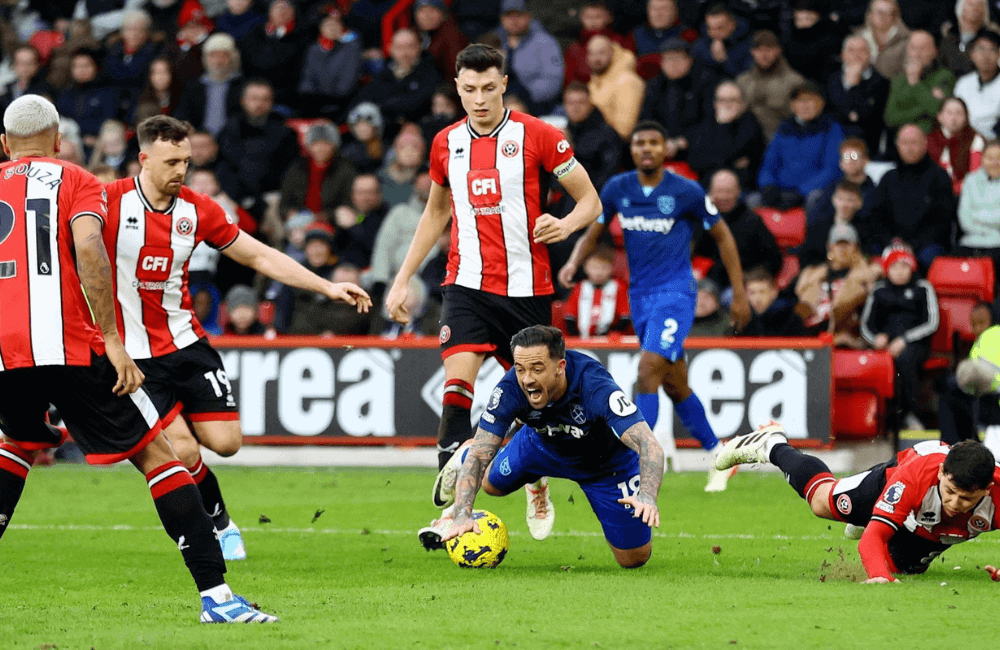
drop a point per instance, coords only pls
(844, 504)
(445, 334)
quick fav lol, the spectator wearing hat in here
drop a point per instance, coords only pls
(680, 96)
(915, 95)
(773, 314)
(914, 201)
(186, 50)
(597, 146)
(887, 36)
(857, 93)
(534, 58)
(209, 101)
(980, 89)
(729, 137)
(241, 312)
(726, 44)
(403, 89)
(332, 69)
(89, 101)
(710, 318)
(367, 150)
(836, 287)
(802, 158)
(440, 36)
(615, 89)
(598, 304)
(358, 223)
(979, 208)
(767, 86)
(595, 19)
(757, 246)
(407, 157)
(275, 51)
(255, 147)
(813, 41)
(663, 23)
(321, 180)
(239, 18)
(900, 316)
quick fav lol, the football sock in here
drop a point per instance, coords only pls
(692, 415)
(649, 406)
(180, 508)
(14, 466)
(211, 495)
(456, 418)
(220, 594)
(803, 472)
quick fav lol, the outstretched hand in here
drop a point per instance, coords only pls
(462, 524)
(643, 509)
(352, 294)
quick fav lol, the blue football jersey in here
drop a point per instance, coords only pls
(658, 224)
(584, 426)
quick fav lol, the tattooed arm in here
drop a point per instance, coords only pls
(481, 453)
(639, 438)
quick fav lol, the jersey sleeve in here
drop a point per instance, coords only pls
(88, 198)
(703, 208)
(439, 159)
(505, 403)
(215, 226)
(609, 202)
(555, 153)
(607, 401)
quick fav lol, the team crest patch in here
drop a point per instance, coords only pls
(894, 493)
(576, 412)
(509, 149)
(979, 523)
(184, 226)
(844, 504)
(445, 334)
(505, 467)
(666, 204)
(495, 398)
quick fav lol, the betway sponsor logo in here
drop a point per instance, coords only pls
(643, 224)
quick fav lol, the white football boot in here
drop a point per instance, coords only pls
(718, 479)
(443, 492)
(540, 513)
(752, 447)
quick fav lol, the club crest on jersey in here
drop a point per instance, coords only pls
(978, 522)
(445, 334)
(510, 149)
(505, 467)
(184, 226)
(495, 399)
(666, 204)
(844, 504)
(576, 412)
(894, 493)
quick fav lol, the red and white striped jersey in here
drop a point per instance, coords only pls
(149, 251)
(495, 200)
(596, 309)
(44, 318)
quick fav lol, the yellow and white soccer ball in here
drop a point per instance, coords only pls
(485, 550)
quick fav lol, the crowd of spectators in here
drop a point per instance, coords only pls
(314, 133)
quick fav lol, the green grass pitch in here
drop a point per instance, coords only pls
(86, 565)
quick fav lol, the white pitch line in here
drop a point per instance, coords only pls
(407, 533)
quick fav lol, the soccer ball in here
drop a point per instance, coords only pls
(485, 550)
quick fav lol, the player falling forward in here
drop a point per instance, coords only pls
(51, 213)
(579, 425)
(660, 213)
(913, 507)
(154, 224)
(485, 173)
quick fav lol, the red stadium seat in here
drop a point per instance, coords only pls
(789, 271)
(788, 227)
(620, 267)
(700, 266)
(681, 168)
(863, 381)
(960, 283)
(558, 315)
(941, 344)
(857, 415)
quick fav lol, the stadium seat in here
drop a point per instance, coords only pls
(960, 283)
(681, 168)
(788, 227)
(700, 266)
(620, 266)
(558, 317)
(863, 381)
(789, 271)
(941, 345)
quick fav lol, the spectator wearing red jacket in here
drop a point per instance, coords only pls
(598, 304)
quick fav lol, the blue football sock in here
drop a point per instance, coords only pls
(692, 415)
(649, 406)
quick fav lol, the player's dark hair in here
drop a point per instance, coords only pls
(649, 125)
(536, 335)
(162, 127)
(479, 57)
(970, 465)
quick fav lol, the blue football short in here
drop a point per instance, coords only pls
(526, 459)
(662, 321)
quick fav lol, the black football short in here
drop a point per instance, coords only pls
(477, 321)
(107, 428)
(853, 500)
(191, 379)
